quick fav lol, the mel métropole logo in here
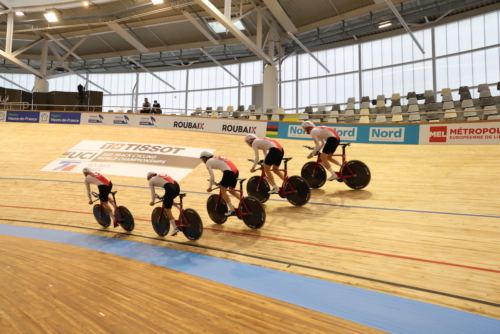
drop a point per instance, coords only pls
(438, 134)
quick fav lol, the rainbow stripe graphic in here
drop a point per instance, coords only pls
(65, 155)
(272, 130)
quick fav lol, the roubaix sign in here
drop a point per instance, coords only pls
(217, 125)
(128, 159)
(461, 134)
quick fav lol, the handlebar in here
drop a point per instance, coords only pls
(95, 195)
(260, 163)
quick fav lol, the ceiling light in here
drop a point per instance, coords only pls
(20, 13)
(85, 4)
(156, 2)
(219, 28)
(51, 16)
(384, 24)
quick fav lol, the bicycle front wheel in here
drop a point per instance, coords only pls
(360, 170)
(128, 222)
(101, 215)
(217, 208)
(160, 224)
(259, 191)
(257, 217)
(194, 228)
(301, 193)
(315, 175)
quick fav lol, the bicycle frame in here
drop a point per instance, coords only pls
(116, 212)
(236, 208)
(181, 211)
(285, 178)
(343, 155)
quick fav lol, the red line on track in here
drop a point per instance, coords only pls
(294, 241)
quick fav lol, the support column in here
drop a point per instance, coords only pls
(9, 32)
(270, 87)
(227, 9)
(259, 31)
(42, 84)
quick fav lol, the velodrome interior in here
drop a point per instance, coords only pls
(421, 241)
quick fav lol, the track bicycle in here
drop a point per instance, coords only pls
(189, 222)
(123, 216)
(249, 208)
(294, 188)
(355, 174)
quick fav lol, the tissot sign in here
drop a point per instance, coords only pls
(127, 159)
(461, 133)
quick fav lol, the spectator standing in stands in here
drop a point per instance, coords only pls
(146, 107)
(156, 108)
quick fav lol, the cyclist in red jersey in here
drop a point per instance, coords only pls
(172, 190)
(322, 133)
(104, 185)
(229, 177)
(271, 160)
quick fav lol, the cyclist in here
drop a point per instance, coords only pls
(172, 190)
(229, 177)
(104, 185)
(272, 159)
(322, 133)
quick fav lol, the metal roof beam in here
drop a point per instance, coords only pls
(126, 36)
(60, 61)
(302, 46)
(26, 47)
(226, 22)
(145, 69)
(200, 28)
(19, 63)
(220, 65)
(280, 15)
(52, 38)
(402, 21)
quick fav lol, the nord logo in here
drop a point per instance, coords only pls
(387, 134)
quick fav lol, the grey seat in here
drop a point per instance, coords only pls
(396, 103)
(447, 97)
(130, 111)
(236, 114)
(351, 100)
(380, 110)
(482, 87)
(465, 96)
(463, 89)
(410, 95)
(430, 99)
(412, 100)
(486, 101)
(429, 93)
(241, 108)
(365, 99)
(430, 107)
(309, 110)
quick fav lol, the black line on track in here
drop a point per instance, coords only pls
(271, 260)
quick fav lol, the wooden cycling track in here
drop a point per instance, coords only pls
(426, 228)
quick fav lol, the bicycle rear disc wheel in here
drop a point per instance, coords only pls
(218, 215)
(257, 217)
(160, 226)
(103, 219)
(315, 178)
(301, 191)
(362, 172)
(128, 222)
(194, 229)
(262, 192)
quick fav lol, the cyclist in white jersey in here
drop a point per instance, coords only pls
(172, 190)
(319, 134)
(229, 177)
(271, 160)
(104, 185)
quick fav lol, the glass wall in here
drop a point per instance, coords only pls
(27, 81)
(467, 54)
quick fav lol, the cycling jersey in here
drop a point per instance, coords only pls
(320, 133)
(264, 144)
(96, 179)
(159, 181)
(221, 164)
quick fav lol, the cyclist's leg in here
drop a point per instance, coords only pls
(171, 192)
(329, 148)
(228, 182)
(234, 193)
(269, 175)
(104, 198)
(227, 199)
(273, 160)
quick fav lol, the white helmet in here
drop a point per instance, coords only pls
(206, 154)
(308, 125)
(250, 138)
(151, 174)
(87, 170)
